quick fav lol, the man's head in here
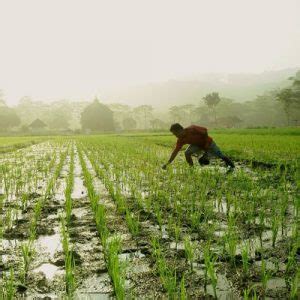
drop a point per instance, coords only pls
(176, 129)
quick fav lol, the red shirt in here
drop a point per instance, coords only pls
(194, 135)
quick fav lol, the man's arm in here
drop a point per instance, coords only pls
(173, 155)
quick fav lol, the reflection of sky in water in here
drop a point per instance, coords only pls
(49, 270)
(78, 189)
(5, 244)
(50, 243)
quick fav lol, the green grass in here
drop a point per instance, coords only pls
(8, 144)
(278, 146)
(256, 209)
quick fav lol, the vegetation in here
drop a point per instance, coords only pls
(97, 117)
(275, 105)
(8, 118)
(199, 232)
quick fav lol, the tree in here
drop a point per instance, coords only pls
(212, 100)
(145, 111)
(129, 123)
(120, 112)
(59, 119)
(229, 122)
(296, 88)
(8, 118)
(158, 124)
(287, 98)
(296, 83)
(58, 122)
(97, 117)
(176, 114)
(37, 124)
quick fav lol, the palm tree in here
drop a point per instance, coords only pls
(212, 100)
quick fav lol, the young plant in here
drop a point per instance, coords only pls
(27, 253)
(231, 239)
(189, 250)
(210, 272)
(133, 223)
(9, 289)
(167, 275)
(70, 273)
(295, 286)
(275, 228)
(245, 259)
(69, 188)
(115, 268)
(265, 276)
(183, 294)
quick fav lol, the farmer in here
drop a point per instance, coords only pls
(198, 141)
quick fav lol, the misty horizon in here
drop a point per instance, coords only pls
(78, 50)
(110, 94)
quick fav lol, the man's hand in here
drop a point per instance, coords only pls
(164, 167)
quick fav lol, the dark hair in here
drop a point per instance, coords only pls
(176, 127)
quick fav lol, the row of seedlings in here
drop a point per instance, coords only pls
(111, 243)
(27, 248)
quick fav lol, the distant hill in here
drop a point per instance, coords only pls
(241, 87)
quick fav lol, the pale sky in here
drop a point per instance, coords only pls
(56, 49)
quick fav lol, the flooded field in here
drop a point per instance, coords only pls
(97, 218)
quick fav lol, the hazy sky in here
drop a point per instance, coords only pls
(55, 49)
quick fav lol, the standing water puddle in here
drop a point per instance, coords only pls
(49, 270)
(92, 296)
(131, 255)
(223, 290)
(50, 243)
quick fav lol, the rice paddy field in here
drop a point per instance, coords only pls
(96, 217)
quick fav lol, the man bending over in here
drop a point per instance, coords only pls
(198, 141)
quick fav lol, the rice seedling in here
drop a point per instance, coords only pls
(70, 274)
(69, 189)
(294, 291)
(9, 288)
(231, 238)
(183, 294)
(245, 259)
(167, 275)
(24, 199)
(210, 272)
(27, 253)
(250, 293)
(180, 205)
(114, 266)
(100, 217)
(265, 276)
(189, 250)
(69, 259)
(132, 222)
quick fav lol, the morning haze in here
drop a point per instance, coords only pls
(149, 149)
(57, 57)
(55, 50)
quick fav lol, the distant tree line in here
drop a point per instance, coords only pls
(273, 108)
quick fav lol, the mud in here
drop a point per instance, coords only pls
(46, 273)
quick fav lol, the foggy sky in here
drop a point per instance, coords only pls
(56, 49)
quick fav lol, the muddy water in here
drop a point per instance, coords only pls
(50, 244)
(91, 274)
(49, 270)
(139, 278)
(79, 190)
(43, 276)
